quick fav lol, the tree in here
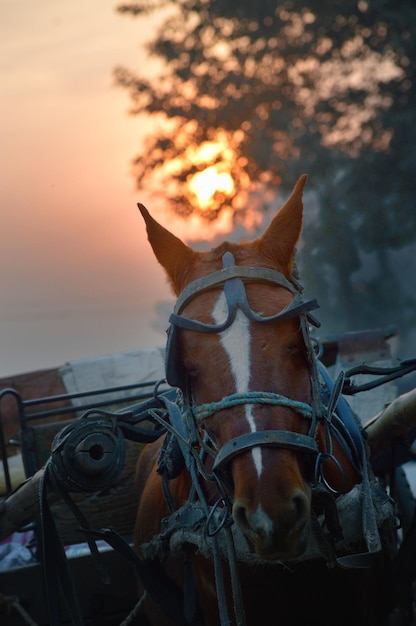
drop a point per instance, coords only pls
(261, 93)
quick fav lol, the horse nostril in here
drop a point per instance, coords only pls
(293, 515)
(301, 507)
(240, 516)
(252, 523)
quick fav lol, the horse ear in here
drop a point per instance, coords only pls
(279, 240)
(174, 256)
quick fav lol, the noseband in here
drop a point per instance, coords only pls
(233, 278)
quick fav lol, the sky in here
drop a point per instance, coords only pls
(77, 276)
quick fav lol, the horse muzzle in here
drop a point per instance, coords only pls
(284, 536)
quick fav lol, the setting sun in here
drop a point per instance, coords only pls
(204, 185)
(215, 161)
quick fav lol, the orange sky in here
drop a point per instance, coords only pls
(77, 277)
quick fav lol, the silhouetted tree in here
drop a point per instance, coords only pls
(323, 87)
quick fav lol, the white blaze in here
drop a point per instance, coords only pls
(236, 342)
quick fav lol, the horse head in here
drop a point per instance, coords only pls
(239, 350)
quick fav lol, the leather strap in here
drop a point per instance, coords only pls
(247, 273)
(270, 438)
(157, 583)
(55, 565)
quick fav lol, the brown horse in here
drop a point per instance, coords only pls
(261, 484)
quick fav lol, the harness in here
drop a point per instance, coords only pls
(233, 279)
(327, 408)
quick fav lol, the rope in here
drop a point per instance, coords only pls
(13, 602)
(251, 397)
(135, 611)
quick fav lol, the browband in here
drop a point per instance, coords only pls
(296, 308)
(247, 273)
(234, 277)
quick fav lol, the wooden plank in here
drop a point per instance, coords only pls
(391, 423)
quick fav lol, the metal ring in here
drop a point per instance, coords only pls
(317, 346)
(158, 384)
(222, 521)
(319, 474)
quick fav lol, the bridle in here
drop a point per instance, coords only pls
(187, 444)
(233, 279)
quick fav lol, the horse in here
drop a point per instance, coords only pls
(258, 506)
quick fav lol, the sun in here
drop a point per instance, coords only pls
(213, 183)
(206, 184)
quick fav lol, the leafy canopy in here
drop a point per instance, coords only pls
(252, 94)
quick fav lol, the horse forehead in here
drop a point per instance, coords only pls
(244, 253)
(244, 340)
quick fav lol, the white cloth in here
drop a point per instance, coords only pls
(124, 368)
(14, 551)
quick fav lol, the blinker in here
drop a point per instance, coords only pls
(174, 368)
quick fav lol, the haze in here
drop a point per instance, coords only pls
(77, 276)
